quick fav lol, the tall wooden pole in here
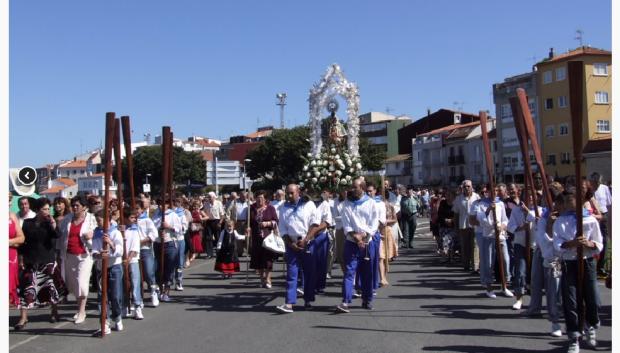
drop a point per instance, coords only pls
(575, 87)
(132, 190)
(171, 168)
(119, 197)
(164, 187)
(490, 172)
(109, 136)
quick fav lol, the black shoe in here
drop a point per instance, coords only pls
(367, 305)
(307, 306)
(19, 327)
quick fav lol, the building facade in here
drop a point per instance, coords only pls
(382, 130)
(555, 116)
(511, 160)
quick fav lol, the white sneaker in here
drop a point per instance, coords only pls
(284, 309)
(119, 325)
(591, 337)
(556, 330)
(491, 294)
(343, 308)
(573, 347)
(138, 314)
(300, 291)
(328, 276)
(106, 330)
(357, 295)
(268, 285)
(517, 305)
(508, 293)
(155, 299)
(178, 287)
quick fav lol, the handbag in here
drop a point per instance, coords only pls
(274, 243)
(195, 227)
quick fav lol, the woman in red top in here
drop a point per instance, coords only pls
(76, 233)
(16, 238)
(195, 232)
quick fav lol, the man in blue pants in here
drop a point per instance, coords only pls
(297, 227)
(360, 222)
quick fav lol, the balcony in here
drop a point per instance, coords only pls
(456, 160)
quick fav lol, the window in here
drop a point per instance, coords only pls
(532, 104)
(602, 126)
(548, 103)
(550, 131)
(505, 112)
(547, 77)
(565, 158)
(601, 97)
(600, 69)
(551, 159)
(560, 74)
(563, 129)
(420, 175)
(562, 102)
(419, 155)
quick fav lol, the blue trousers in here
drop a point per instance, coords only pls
(487, 258)
(294, 261)
(115, 291)
(354, 262)
(148, 265)
(374, 248)
(170, 262)
(543, 277)
(134, 272)
(321, 247)
(569, 296)
(520, 268)
(181, 260)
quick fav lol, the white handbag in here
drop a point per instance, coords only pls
(273, 242)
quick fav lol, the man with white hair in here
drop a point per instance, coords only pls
(463, 208)
(215, 211)
(603, 198)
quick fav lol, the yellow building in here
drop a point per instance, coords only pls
(555, 117)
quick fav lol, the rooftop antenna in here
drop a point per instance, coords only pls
(579, 37)
(389, 110)
(458, 106)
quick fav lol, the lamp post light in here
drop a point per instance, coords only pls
(281, 102)
(244, 162)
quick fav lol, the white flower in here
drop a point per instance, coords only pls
(309, 154)
(336, 180)
(317, 174)
(349, 162)
(314, 180)
(348, 177)
(350, 182)
(358, 166)
(324, 171)
(302, 184)
(323, 179)
(343, 182)
(351, 170)
(313, 163)
(338, 173)
(325, 163)
(331, 168)
(341, 166)
(305, 168)
(333, 150)
(308, 175)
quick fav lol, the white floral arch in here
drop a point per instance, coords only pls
(334, 83)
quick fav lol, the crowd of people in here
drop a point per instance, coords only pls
(57, 247)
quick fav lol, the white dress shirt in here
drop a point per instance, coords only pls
(132, 242)
(242, 210)
(297, 219)
(516, 220)
(565, 229)
(336, 213)
(381, 211)
(603, 197)
(543, 241)
(173, 221)
(115, 255)
(147, 230)
(360, 217)
(324, 213)
(463, 206)
(487, 225)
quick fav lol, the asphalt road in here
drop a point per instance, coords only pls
(429, 307)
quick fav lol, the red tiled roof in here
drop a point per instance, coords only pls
(74, 164)
(208, 144)
(259, 134)
(596, 146)
(449, 128)
(574, 53)
(53, 190)
(66, 181)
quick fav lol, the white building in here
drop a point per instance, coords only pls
(94, 184)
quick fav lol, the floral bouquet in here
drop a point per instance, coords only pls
(334, 169)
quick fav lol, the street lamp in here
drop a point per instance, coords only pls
(244, 162)
(281, 102)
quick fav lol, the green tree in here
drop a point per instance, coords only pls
(372, 156)
(187, 166)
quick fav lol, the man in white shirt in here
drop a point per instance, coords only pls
(376, 238)
(169, 226)
(603, 198)
(360, 221)
(240, 208)
(298, 220)
(216, 213)
(463, 207)
(148, 234)
(321, 240)
(24, 210)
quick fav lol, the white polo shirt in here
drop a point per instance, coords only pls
(487, 225)
(603, 197)
(324, 213)
(132, 242)
(565, 229)
(297, 219)
(360, 216)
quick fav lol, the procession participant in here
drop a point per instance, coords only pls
(360, 221)
(434, 202)
(171, 225)
(240, 210)
(180, 243)
(16, 239)
(388, 246)
(321, 240)
(215, 212)
(565, 242)
(519, 222)
(298, 217)
(195, 232)
(487, 226)
(226, 260)
(41, 282)
(512, 200)
(94, 204)
(425, 198)
(546, 267)
(114, 240)
(339, 236)
(447, 222)
(148, 234)
(62, 207)
(409, 206)
(132, 246)
(602, 194)
(263, 221)
(394, 200)
(462, 208)
(375, 245)
(278, 200)
(75, 243)
(331, 234)
(25, 212)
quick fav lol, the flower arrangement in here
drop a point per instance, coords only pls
(334, 169)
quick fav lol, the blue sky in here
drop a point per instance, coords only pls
(212, 68)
